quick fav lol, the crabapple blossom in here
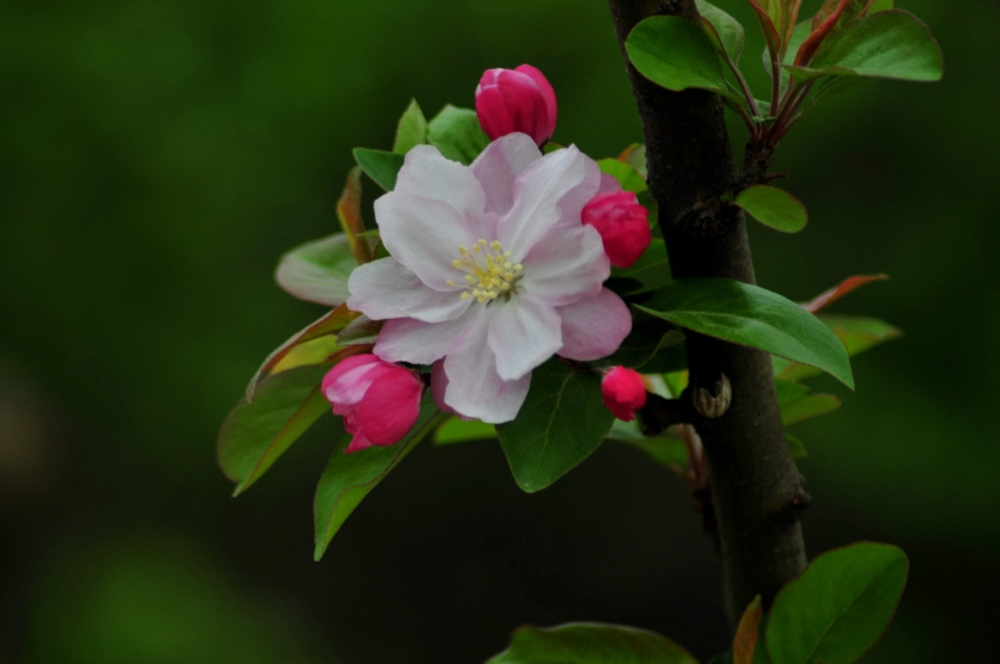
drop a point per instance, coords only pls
(624, 392)
(516, 100)
(379, 401)
(623, 224)
(491, 270)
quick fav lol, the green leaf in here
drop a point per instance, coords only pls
(591, 644)
(361, 331)
(412, 129)
(723, 658)
(381, 166)
(889, 44)
(331, 322)
(664, 450)
(796, 447)
(457, 430)
(773, 207)
(647, 338)
(677, 54)
(745, 643)
(730, 33)
(348, 478)
(651, 272)
(626, 174)
(457, 134)
(349, 215)
(749, 315)
(563, 420)
(840, 606)
(317, 351)
(858, 334)
(798, 403)
(635, 156)
(256, 434)
(881, 6)
(318, 271)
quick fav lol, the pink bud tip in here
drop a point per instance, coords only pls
(516, 100)
(623, 224)
(379, 401)
(623, 392)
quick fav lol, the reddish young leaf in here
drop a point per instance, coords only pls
(745, 643)
(821, 28)
(846, 286)
(333, 321)
(771, 34)
(349, 213)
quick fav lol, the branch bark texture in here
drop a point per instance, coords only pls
(757, 489)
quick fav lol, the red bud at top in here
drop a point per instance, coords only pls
(623, 392)
(623, 225)
(516, 100)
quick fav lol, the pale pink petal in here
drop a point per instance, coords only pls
(391, 407)
(609, 185)
(424, 235)
(347, 382)
(524, 333)
(387, 289)
(498, 167)
(417, 342)
(427, 173)
(439, 385)
(538, 194)
(566, 265)
(594, 327)
(474, 388)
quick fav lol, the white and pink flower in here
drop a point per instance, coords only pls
(492, 270)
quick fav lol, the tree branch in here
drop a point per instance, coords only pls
(757, 490)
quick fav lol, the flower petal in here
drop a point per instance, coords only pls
(474, 387)
(346, 383)
(566, 265)
(538, 198)
(417, 342)
(609, 185)
(387, 289)
(424, 235)
(427, 173)
(524, 333)
(594, 327)
(498, 167)
(391, 407)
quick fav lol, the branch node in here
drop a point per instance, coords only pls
(712, 395)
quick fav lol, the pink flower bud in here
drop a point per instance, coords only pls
(516, 100)
(379, 401)
(623, 225)
(623, 392)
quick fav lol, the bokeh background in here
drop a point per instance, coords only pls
(157, 157)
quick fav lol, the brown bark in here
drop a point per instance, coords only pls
(756, 488)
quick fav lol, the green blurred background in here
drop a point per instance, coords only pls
(158, 157)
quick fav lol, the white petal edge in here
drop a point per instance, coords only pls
(524, 333)
(429, 174)
(565, 265)
(594, 327)
(498, 167)
(424, 235)
(475, 389)
(387, 289)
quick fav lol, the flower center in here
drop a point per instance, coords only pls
(488, 271)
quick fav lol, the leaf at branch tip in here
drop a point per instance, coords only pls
(857, 333)
(796, 447)
(381, 166)
(840, 606)
(256, 434)
(318, 271)
(563, 420)
(889, 44)
(798, 403)
(745, 643)
(456, 430)
(771, 34)
(348, 478)
(457, 134)
(752, 316)
(330, 323)
(773, 207)
(628, 177)
(412, 129)
(317, 351)
(588, 643)
(824, 22)
(349, 214)
(635, 156)
(846, 286)
(724, 28)
(676, 54)
(362, 330)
